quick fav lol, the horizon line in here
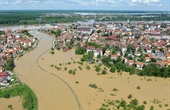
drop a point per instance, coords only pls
(80, 10)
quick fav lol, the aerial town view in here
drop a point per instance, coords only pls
(85, 55)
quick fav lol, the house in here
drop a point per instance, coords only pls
(27, 43)
(4, 74)
(64, 48)
(137, 54)
(2, 69)
(147, 59)
(148, 50)
(90, 49)
(167, 56)
(98, 52)
(161, 64)
(3, 81)
(129, 62)
(107, 53)
(84, 30)
(139, 65)
(114, 56)
(112, 37)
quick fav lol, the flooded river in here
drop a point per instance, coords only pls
(52, 92)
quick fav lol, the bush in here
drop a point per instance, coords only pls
(97, 69)
(70, 71)
(88, 67)
(52, 52)
(144, 102)
(134, 102)
(104, 72)
(7, 96)
(74, 72)
(138, 87)
(102, 108)
(122, 103)
(114, 89)
(142, 107)
(112, 69)
(93, 86)
(65, 68)
(151, 108)
(80, 67)
(130, 96)
(10, 107)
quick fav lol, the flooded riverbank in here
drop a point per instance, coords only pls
(52, 92)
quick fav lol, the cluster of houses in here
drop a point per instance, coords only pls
(149, 40)
(12, 43)
(4, 77)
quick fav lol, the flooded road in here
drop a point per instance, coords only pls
(52, 92)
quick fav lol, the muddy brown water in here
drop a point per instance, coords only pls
(52, 92)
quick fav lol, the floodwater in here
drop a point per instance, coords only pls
(92, 99)
(16, 103)
(52, 92)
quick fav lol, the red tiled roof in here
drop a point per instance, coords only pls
(112, 37)
(5, 74)
(139, 63)
(90, 47)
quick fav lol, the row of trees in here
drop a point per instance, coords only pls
(153, 70)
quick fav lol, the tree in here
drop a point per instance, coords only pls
(103, 72)
(129, 96)
(9, 65)
(106, 61)
(93, 44)
(80, 50)
(97, 69)
(115, 49)
(134, 102)
(120, 66)
(123, 103)
(71, 42)
(132, 70)
(153, 60)
(88, 67)
(112, 69)
(90, 55)
(150, 70)
(99, 31)
(84, 58)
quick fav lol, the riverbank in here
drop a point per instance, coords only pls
(114, 86)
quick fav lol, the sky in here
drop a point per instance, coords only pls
(141, 5)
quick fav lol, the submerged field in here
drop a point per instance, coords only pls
(95, 91)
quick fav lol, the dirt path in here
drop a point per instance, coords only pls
(53, 93)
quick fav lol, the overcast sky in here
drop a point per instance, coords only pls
(155, 5)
